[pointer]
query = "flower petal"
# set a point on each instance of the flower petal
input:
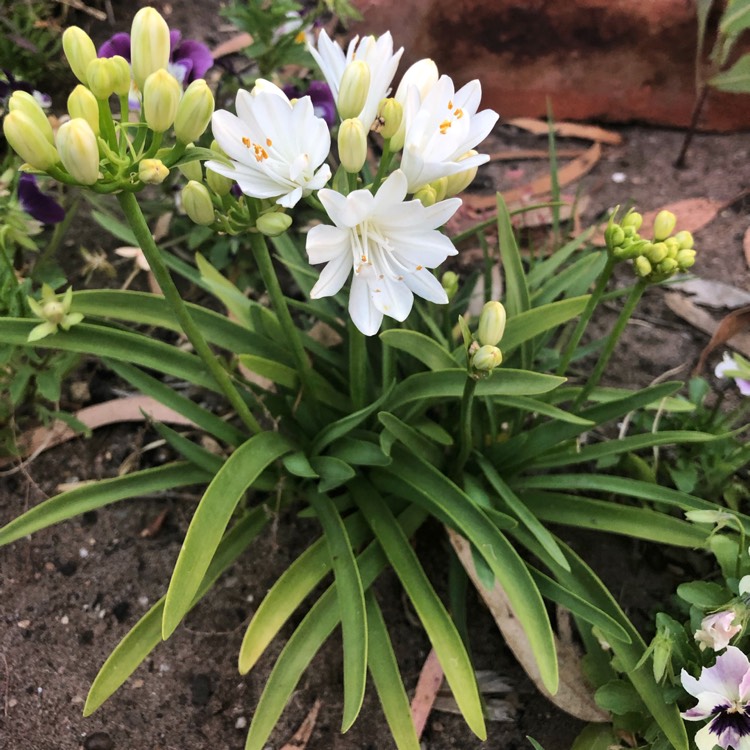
(325, 242)
(332, 277)
(363, 312)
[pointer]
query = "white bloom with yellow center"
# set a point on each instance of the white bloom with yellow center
(390, 244)
(377, 53)
(442, 128)
(276, 147)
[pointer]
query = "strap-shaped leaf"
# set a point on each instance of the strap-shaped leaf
(91, 496)
(415, 441)
(310, 635)
(424, 348)
(385, 674)
(351, 598)
(524, 403)
(358, 452)
(736, 18)
(211, 518)
(333, 472)
(736, 80)
(547, 268)
(527, 325)
(190, 451)
(145, 635)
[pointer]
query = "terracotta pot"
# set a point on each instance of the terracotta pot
(612, 60)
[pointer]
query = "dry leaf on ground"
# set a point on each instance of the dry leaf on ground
(568, 130)
(534, 153)
(428, 685)
(715, 294)
(235, 44)
(746, 246)
(730, 326)
(302, 735)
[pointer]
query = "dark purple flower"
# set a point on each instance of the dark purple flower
(13, 84)
(37, 204)
(188, 60)
(321, 97)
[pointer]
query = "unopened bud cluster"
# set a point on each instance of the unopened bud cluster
(484, 354)
(653, 260)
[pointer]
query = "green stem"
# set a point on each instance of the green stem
(134, 215)
(385, 161)
(388, 361)
(588, 311)
(58, 234)
(357, 367)
(107, 124)
(466, 424)
(289, 329)
(627, 311)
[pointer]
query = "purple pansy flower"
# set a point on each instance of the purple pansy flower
(37, 204)
(723, 693)
(13, 84)
(321, 96)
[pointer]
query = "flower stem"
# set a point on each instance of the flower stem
(357, 367)
(388, 362)
(466, 424)
(385, 161)
(583, 321)
(134, 215)
(291, 333)
(627, 311)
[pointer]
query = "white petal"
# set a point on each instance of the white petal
(363, 313)
(390, 194)
(424, 284)
(332, 277)
(391, 297)
(229, 131)
(325, 242)
(291, 199)
(429, 249)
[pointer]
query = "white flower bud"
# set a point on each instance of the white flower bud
(197, 203)
(149, 44)
(353, 89)
(664, 225)
(491, 323)
(82, 103)
(352, 141)
(79, 50)
(22, 101)
(161, 97)
(79, 150)
(28, 141)
(194, 112)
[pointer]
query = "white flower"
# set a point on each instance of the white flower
(440, 129)
(390, 243)
(275, 146)
(723, 693)
(717, 630)
(734, 367)
(377, 53)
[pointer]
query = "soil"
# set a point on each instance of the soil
(70, 593)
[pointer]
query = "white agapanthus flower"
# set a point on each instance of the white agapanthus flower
(390, 244)
(277, 148)
(377, 53)
(442, 127)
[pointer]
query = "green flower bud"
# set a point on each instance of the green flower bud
(22, 101)
(82, 103)
(457, 183)
(426, 195)
(194, 112)
(352, 144)
(685, 239)
(685, 258)
(390, 115)
(667, 267)
(486, 358)
(196, 201)
(191, 169)
(79, 50)
(218, 183)
(79, 150)
(100, 78)
(353, 89)
(149, 45)
(161, 97)
(120, 72)
(28, 141)
(673, 247)
(632, 219)
(152, 171)
(630, 232)
(664, 225)
(656, 253)
(642, 266)
(441, 188)
(614, 236)
(491, 323)
(449, 282)
(273, 223)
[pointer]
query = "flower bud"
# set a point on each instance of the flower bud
(673, 247)
(614, 235)
(120, 71)
(28, 141)
(423, 74)
(79, 50)
(441, 188)
(685, 258)
(353, 89)
(459, 181)
(194, 112)
(426, 195)
(273, 223)
(685, 239)
(664, 225)
(491, 323)
(100, 78)
(149, 45)
(388, 120)
(161, 97)
(352, 144)
(632, 219)
(718, 629)
(22, 101)
(449, 282)
(667, 267)
(642, 266)
(486, 358)
(79, 150)
(82, 103)
(218, 183)
(656, 253)
(191, 169)
(197, 203)
(152, 171)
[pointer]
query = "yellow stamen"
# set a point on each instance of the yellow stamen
(247, 142)
(419, 268)
(459, 113)
(269, 142)
(450, 105)
(444, 125)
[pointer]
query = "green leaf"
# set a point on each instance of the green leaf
(736, 18)
(116, 228)
(351, 598)
(422, 347)
(276, 372)
(298, 465)
(333, 472)
(443, 635)
(97, 494)
(413, 440)
(145, 635)
(547, 268)
(527, 325)
(595, 737)
(704, 594)
(224, 290)
(190, 451)
(619, 697)
(211, 517)
(736, 80)
(358, 452)
(385, 674)
(523, 403)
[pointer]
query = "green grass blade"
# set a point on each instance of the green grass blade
(414, 440)
(547, 268)
(145, 635)
(190, 451)
(424, 348)
(440, 629)
(525, 326)
(387, 678)
(211, 518)
(523, 403)
(310, 635)
(351, 598)
(97, 494)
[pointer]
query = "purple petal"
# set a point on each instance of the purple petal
(322, 98)
(37, 204)
(743, 385)
(197, 54)
(174, 41)
(119, 44)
